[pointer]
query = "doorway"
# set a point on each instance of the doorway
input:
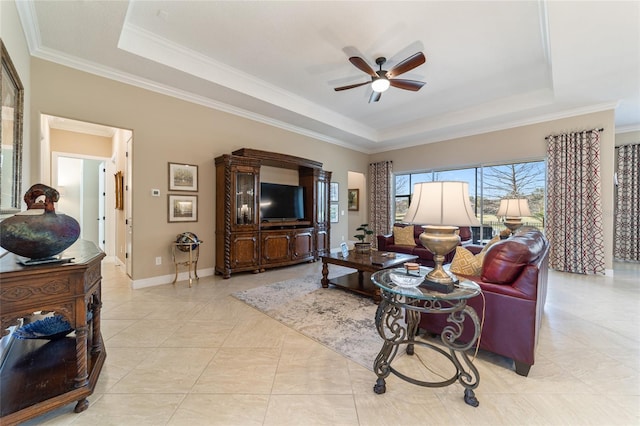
(80, 160)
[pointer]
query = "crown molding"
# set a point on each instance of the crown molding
(627, 129)
(143, 43)
(479, 130)
(30, 26)
(126, 78)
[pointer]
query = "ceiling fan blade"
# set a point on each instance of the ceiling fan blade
(412, 85)
(375, 96)
(362, 65)
(407, 65)
(351, 86)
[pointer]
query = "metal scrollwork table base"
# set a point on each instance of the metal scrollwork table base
(397, 320)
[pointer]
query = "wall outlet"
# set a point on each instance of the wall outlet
(158, 260)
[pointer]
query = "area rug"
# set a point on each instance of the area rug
(338, 319)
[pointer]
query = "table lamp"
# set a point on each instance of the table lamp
(513, 209)
(440, 207)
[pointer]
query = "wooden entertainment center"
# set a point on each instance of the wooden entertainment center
(243, 241)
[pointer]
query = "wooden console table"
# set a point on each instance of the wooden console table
(40, 375)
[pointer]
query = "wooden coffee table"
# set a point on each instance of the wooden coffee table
(365, 264)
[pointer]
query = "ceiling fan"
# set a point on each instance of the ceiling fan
(382, 79)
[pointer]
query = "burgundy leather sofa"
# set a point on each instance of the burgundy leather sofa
(387, 243)
(514, 283)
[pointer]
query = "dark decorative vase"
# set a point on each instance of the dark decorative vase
(39, 232)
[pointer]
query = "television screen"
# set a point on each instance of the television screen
(281, 202)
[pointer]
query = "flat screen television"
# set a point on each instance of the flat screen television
(281, 202)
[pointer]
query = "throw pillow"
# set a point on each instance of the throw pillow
(465, 263)
(486, 247)
(403, 236)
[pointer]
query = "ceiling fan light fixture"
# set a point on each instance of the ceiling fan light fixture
(380, 84)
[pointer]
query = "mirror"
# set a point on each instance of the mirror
(12, 95)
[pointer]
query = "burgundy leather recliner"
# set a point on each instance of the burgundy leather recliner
(514, 283)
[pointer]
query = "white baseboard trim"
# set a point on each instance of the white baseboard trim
(168, 279)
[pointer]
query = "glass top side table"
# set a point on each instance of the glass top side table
(397, 319)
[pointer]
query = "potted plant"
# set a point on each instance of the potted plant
(363, 246)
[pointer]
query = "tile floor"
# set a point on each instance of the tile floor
(197, 356)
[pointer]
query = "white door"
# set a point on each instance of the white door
(128, 209)
(102, 194)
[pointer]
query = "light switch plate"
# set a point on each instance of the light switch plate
(155, 192)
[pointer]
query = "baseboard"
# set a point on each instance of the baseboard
(168, 279)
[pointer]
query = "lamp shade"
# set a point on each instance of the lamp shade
(514, 207)
(441, 203)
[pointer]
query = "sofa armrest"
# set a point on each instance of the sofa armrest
(527, 282)
(384, 241)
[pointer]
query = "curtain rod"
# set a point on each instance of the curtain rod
(601, 129)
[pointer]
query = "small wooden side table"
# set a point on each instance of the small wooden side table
(193, 250)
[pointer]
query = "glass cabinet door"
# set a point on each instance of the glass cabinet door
(321, 205)
(245, 198)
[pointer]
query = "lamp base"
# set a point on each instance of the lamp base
(439, 240)
(513, 223)
(438, 286)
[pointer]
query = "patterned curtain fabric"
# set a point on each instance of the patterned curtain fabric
(380, 192)
(574, 207)
(627, 215)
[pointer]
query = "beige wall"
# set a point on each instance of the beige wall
(627, 138)
(521, 143)
(80, 143)
(209, 133)
(162, 127)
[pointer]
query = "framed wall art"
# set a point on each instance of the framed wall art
(353, 200)
(183, 177)
(119, 190)
(333, 213)
(183, 208)
(333, 192)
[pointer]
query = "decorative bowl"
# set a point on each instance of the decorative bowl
(404, 279)
(52, 327)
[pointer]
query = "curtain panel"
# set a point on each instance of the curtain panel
(380, 198)
(574, 207)
(627, 212)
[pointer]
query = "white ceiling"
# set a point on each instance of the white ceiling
(490, 65)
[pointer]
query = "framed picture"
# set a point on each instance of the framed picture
(119, 190)
(333, 213)
(183, 177)
(333, 192)
(183, 208)
(353, 200)
(344, 249)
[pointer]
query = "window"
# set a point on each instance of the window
(487, 186)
